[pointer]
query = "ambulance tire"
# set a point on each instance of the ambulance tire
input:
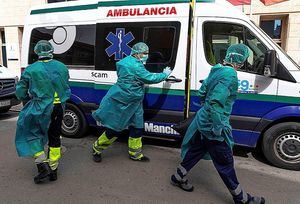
(74, 122)
(281, 145)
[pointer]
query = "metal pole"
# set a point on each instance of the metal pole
(251, 9)
(188, 60)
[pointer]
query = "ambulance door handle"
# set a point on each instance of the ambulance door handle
(173, 79)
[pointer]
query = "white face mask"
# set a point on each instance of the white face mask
(144, 58)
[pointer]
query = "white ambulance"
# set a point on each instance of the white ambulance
(91, 36)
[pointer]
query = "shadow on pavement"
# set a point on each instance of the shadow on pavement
(257, 153)
(8, 115)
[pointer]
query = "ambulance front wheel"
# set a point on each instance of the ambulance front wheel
(281, 145)
(74, 124)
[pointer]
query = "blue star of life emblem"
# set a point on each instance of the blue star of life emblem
(119, 43)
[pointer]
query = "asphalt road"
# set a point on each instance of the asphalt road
(120, 180)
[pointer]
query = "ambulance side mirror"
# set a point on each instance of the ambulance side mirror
(270, 66)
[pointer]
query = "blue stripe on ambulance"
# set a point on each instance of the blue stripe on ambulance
(262, 109)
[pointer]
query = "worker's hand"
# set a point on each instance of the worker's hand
(167, 71)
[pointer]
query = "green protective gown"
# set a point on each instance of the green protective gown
(218, 93)
(122, 106)
(38, 84)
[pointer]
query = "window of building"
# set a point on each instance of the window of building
(272, 28)
(114, 42)
(73, 45)
(3, 48)
(219, 36)
(275, 27)
(2, 37)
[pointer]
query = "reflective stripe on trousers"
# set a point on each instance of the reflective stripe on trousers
(56, 99)
(135, 147)
(239, 194)
(40, 157)
(102, 143)
(180, 173)
(54, 156)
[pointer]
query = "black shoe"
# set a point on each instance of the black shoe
(97, 157)
(256, 200)
(142, 159)
(43, 172)
(53, 175)
(184, 184)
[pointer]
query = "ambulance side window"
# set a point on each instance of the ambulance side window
(255, 62)
(219, 36)
(160, 40)
(73, 45)
(114, 42)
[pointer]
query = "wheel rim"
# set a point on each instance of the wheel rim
(287, 147)
(70, 123)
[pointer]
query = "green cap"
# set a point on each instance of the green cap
(237, 54)
(44, 49)
(139, 48)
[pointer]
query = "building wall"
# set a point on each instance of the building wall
(288, 9)
(12, 17)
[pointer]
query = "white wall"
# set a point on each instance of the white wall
(12, 17)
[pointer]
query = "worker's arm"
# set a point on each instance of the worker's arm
(202, 91)
(217, 102)
(148, 77)
(22, 87)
